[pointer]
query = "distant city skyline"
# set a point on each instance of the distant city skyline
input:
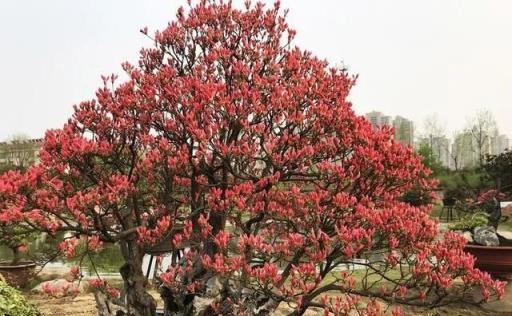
(413, 58)
(404, 128)
(462, 150)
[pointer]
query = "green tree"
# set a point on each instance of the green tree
(18, 153)
(430, 160)
(499, 168)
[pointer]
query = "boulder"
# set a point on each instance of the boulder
(59, 287)
(108, 307)
(505, 234)
(213, 286)
(202, 305)
(468, 236)
(486, 236)
(505, 238)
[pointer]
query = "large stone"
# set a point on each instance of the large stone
(59, 287)
(468, 236)
(203, 306)
(108, 307)
(213, 286)
(505, 234)
(486, 236)
(505, 238)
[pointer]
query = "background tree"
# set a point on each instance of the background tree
(499, 168)
(481, 128)
(432, 126)
(420, 195)
(429, 159)
(433, 141)
(18, 152)
(243, 151)
(458, 147)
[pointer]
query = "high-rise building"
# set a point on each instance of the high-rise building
(499, 144)
(378, 119)
(440, 148)
(404, 130)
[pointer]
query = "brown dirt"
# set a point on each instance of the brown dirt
(84, 305)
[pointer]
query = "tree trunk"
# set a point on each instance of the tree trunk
(298, 312)
(134, 300)
(138, 301)
(15, 255)
(107, 307)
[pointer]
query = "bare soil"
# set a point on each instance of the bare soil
(84, 305)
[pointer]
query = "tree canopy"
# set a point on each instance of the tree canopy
(242, 150)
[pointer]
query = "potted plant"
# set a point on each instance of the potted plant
(493, 252)
(19, 269)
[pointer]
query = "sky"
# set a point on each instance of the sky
(413, 57)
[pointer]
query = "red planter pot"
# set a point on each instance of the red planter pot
(17, 275)
(497, 261)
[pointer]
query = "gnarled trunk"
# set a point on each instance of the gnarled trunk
(137, 299)
(15, 255)
(134, 300)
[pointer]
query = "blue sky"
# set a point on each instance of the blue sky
(413, 57)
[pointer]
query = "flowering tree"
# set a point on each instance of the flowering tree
(242, 150)
(499, 169)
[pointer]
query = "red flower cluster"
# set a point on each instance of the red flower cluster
(103, 286)
(489, 194)
(243, 150)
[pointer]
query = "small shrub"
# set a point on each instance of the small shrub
(470, 221)
(12, 303)
(417, 197)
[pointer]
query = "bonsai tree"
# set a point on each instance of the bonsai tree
(499, 169)
(483, 222)
(15, 238)
(243, 151)
(489, 201)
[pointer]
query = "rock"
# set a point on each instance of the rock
(505, 238)
(468, 236)
(505, 234)
(202, 305)
(108, 307)
(59, 287)
(443, 227)
(486, 236)
(213, 286)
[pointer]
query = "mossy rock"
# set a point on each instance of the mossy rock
(13, 303)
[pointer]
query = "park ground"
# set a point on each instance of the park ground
(84, 304)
